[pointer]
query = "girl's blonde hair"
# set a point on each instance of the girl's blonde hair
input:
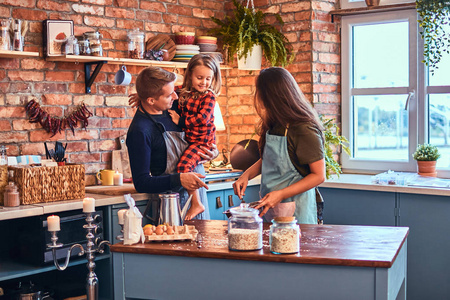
(207, 61)
(279, 101)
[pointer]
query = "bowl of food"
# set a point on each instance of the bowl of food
(184, 38)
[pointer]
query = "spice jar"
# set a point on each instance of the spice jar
(5, 39)
(244, 229)
(72, 46)
(136, 44)
(96, 50)
(84, 47)
(11, 196)
(284, 235)
(95, 42)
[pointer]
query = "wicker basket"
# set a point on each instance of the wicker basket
(49, 184)
(3, 181)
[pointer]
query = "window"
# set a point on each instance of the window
(390, 101)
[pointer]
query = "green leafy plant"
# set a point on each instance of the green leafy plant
(332, 137)
(247, 28)
(434, 17)
(426, 152)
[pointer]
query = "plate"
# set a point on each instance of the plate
(155, 42)
(187, 47)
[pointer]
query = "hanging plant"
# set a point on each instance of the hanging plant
(247, 28)
(434, 17)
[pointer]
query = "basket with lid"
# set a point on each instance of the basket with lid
(244, 229)
(284, 235)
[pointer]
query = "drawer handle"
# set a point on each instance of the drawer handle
(218, 202)
(230, 201)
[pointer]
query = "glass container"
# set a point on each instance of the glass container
(136, 44)
(244, 229)
(96, 50)
(5, 38)
(284, 235)
(94, 38)
(72, 46)
(85, 47)
(18, 40)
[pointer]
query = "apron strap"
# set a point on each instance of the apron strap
(285, 132)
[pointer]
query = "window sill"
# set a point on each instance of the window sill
(371, 9)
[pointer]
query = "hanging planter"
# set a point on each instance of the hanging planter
(246, 29)
(251, 61)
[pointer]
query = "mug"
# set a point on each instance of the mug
(106, 177)
(122, 77)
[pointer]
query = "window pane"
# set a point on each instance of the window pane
(439, 126)
(380, 55)
(381, 131)
(441, 75)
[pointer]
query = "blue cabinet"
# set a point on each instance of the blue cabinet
(221, 200)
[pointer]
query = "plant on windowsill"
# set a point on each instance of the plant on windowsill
(247, 30)
(332, 138)
(434, 17)
(426, 156)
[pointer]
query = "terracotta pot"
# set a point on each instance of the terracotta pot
(427, 168)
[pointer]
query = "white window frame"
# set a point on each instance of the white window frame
(350, 164)
(361, 3)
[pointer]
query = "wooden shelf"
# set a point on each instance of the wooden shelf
(18, 54)
(122, 61)
(371, 9)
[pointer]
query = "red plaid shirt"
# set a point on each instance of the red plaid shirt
(197, 116)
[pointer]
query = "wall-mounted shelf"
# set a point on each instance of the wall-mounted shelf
(18, 54)
(99, 61)
(371, 9)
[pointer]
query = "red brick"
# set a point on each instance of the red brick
(28, 14)
(25, 76)
(112, 89)
(190, 21)
(41, 135)
(330, 78)
(82, 134)
(52, 5)
(104, 145)
(153, 6)
(36, 64)
(299, 26)
(5, 125)
(179, 10)
(59, 76)
(202, 13)
(322, 6)
(329, 98)
(85, 157)
(89, 9)
(89, 100)
(98, 2)
(326, 47)
(295, 7)
(327, 68)
(169, 19)
(98, 21)
(129, 24)
(121, 123)
(160, 28)
(328, 37)
(8, 63)
(112, 134)
(12, 112)
(110, 112)
(56, 99)
(128, 3)
(32, 149)
(329, 58)
(330, 109)
(24, 124)
(95, 122)
(323, 88)
(43, 88)
(77, 146)
(240, 110)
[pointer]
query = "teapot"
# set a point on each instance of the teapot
(166, 209)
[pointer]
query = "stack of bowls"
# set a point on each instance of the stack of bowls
(184, 53)
(207, 43)
(184, 38)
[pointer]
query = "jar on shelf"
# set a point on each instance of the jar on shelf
(94, 38)
(136, 44)
(5, 38)
(18, 39)
(72, 46)
(11, 196)
(96, 50)
(85, 47)
(244, 229)
(284, 235)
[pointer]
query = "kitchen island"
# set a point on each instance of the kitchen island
(335, 262)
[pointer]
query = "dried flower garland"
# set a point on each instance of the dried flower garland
(54, 124)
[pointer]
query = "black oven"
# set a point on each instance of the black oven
(34, 236)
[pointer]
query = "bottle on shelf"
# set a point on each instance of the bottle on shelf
(5, 38)
(18, 40)
(72, 46)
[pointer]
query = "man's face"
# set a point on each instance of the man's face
(202, 77)
(165, 100)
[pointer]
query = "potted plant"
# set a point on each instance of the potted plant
(426, 156)
(434, 17)
(246, 32)
(332, 138)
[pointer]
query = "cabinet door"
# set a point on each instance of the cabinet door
(428, 245)
(216, 204)
(355, 207)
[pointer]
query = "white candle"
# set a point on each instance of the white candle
(53, 223)
(118, 178)
(121, 214)
(88, 205)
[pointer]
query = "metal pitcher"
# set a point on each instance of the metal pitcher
(166, 209)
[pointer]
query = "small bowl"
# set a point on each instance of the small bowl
(203, 41)
(207, 39)
(207, 47)
(185, 33)
(184, 39)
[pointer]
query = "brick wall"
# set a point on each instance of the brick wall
(59, 87)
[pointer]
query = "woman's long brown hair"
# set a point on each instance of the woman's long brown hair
(279, 101)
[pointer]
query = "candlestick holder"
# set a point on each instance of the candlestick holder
(120, 236)
(92, 246)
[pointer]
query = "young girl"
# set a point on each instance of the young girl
(197, 98)
(291, 144)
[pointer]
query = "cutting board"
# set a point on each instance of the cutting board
(126, 188)
(155, 42)
(120, 160)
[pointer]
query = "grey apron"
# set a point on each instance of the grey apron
(278, 172)
(175, 145)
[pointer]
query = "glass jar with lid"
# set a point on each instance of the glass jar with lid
(5, 38)
(284, 235)
(96, 50)
(94, 38)
(72, 46)
(84, 47)
(244, 229)
(136, 44)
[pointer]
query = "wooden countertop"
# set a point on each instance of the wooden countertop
(361, 246)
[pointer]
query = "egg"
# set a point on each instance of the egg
(148, 230)
(159, 230)
(169, 230)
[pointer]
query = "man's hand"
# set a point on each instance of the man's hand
(175, 117)
(192, 181)
(134, 100)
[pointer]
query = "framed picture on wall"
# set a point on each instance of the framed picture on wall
(56, 33)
